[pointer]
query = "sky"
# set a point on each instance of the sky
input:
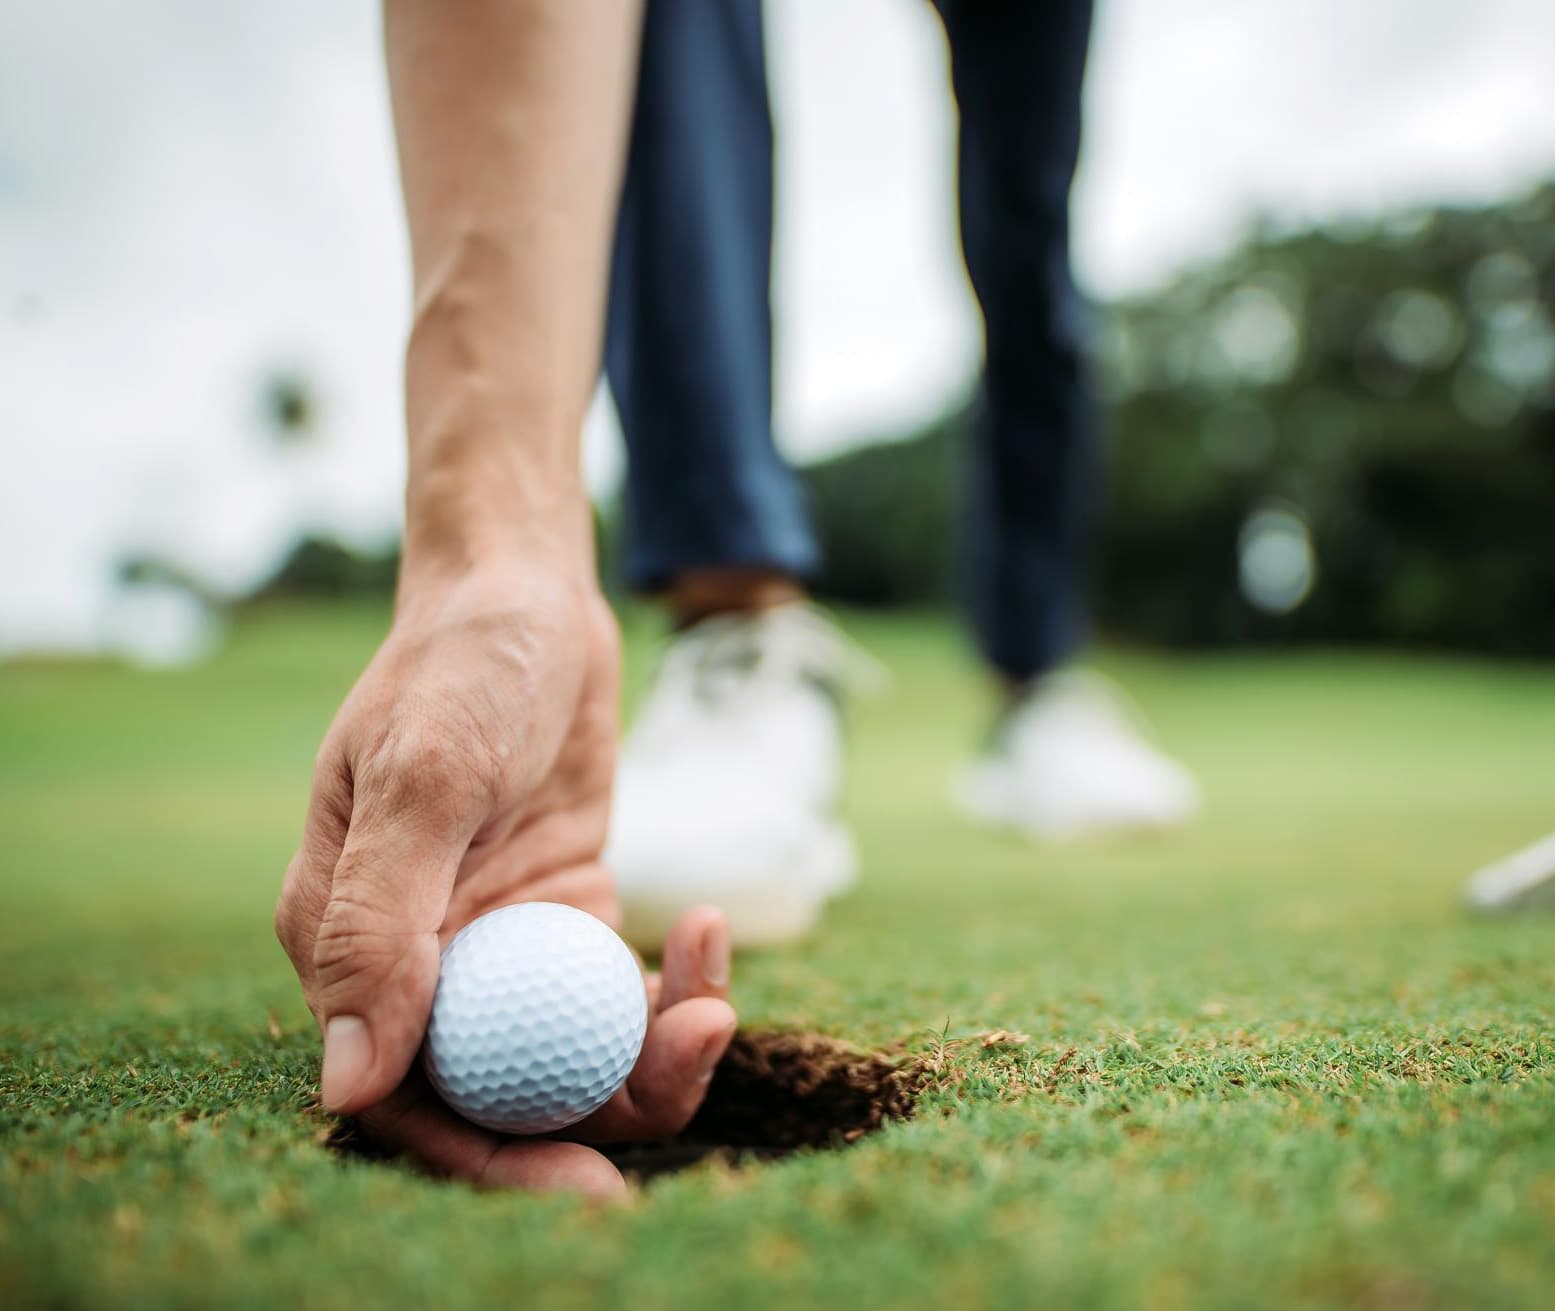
(196, 197)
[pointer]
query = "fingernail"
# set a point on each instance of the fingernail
(715, 954)
(712, 1053)
(348, 1052)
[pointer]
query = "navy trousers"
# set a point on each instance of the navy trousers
(689, 342)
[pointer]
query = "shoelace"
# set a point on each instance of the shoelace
(731, 655)
(1105, 700)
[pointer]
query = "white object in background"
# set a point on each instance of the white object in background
(1521, 881)
(539, 1017)
(729, 780)
(160, 625)
(1070, 760)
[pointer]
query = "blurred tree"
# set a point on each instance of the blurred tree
(320, 567)
(885, 514)
(1343, 435)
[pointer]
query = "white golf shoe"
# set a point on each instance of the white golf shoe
(1070, 759)
(1522, 881)
(729, 781)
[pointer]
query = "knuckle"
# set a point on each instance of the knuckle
(291, 913)
(285, 924)
(331, 778)
(301, 900)
(353, 942)
(439, 777)
(324, 759)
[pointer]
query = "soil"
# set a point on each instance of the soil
(776, 1092)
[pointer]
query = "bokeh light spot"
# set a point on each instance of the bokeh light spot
(1419, 329)
(1277, 566)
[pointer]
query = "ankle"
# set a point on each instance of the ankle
(702, 593)
(1014, 692)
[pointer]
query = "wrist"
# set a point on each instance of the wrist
(494, 471)
(458, 529)
(460, 512)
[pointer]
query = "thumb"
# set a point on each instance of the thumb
(376, 956)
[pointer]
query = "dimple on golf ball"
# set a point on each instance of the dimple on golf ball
(539, 1017)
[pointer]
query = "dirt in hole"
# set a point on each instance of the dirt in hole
(775, 1092)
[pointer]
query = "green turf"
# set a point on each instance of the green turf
(1270, 1062)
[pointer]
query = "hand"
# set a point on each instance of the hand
(470, 768)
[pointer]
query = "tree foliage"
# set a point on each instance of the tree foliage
(1337, 435)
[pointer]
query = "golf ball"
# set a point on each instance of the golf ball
(539, 1016)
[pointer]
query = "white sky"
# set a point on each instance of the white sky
(192, 195)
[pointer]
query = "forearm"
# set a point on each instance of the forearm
(511, 117)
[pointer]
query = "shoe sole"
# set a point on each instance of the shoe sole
(982, 799)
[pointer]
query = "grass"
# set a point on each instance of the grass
(1269, 1060)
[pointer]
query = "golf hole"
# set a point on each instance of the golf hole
(774, 1093)
(779, 1092)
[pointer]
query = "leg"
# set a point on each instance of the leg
(727, 788)
(1067, 758)
(689, 346)
(1017, 72)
